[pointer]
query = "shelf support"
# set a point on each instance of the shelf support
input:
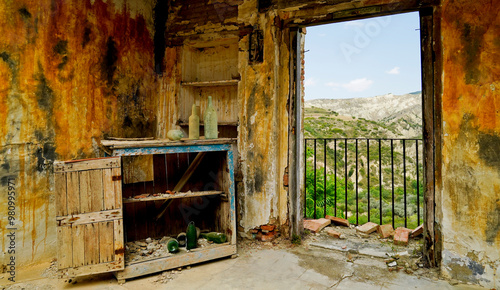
(189, 172)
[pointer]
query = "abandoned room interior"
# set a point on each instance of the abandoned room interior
(83, 80)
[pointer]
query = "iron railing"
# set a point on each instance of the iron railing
(364, 179)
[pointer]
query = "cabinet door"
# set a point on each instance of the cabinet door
(89, 216)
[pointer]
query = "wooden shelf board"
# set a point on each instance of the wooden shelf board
(173, 196)
(179, 260)
(211, 83)
(186, 123)
(112, 144)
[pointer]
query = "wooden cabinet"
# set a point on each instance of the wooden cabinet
(99, 211)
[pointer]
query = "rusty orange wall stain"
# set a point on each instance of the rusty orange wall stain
(71, 73)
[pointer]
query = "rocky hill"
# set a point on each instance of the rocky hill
(386, 116)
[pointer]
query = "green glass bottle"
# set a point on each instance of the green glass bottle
(173, 245)
(191, 236)
(210, 121)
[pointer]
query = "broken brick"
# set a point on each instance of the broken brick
(418, 231)
(385, 231)
(368, 228)
(333, 233)
(268, 237)
(401, 236)
(269, 228)
(338, 221)
(254, 231)
(316, 225)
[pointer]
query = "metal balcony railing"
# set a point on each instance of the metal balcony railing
(362, 179)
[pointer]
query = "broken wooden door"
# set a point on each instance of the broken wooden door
(89, 216)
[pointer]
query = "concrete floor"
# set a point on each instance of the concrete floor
(264, 267)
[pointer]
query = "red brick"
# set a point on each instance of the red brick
(418, 231)
(385, 231)
(333, 233)
(316, 225)
(401, 236)
(338, 221)
(368, 228)
(269, 237)
(269, 228)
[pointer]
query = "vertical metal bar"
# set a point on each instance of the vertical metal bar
(357, 208)
(392, 173)
(315, 178)
(324, 177)
(404, 178)
(418, 185)
(345, 175)
(305, 177)
(335, 171)
(380, 177)
(368, 173)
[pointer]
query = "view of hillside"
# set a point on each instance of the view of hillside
(338, 123)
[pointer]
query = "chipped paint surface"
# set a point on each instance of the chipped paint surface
(71, 72)
(471, 143)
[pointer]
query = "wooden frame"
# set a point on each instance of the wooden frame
(431, 103)
(228, 209)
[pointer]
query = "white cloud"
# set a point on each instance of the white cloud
(357, 85)
(394, 71)
(356, 23)
(310, 82)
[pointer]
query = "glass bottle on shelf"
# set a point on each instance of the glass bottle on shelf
(194, 123)
(210, 121)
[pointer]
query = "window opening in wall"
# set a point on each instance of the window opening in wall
(363, 121)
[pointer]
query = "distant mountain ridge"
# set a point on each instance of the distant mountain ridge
(375, 108)
(385, 116)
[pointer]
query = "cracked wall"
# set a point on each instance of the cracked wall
(71, 73)
(471, 142)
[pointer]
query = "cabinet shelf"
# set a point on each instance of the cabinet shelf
(211, 83)
(165, 196)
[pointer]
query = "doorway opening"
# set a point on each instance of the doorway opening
(366, 164)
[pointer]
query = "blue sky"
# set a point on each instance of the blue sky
(363, 58)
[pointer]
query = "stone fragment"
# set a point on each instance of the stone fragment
(333, 233)
(316, 225)
(141, 244)
(392, 264)
(338, 221)
(401, 236)
(385, 231)
(149, 240)
(367, 228)
(418, 231)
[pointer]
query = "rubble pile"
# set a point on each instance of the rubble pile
(265, 233)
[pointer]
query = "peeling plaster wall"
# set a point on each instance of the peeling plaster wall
(471, 142)
(71, 72)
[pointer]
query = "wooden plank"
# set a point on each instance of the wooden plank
(211, 83)
(189, 172)
(174, 196)
(92, 269)
(85, 193)
(87, 164)
(178, 260)
(60, 191)
(117, 183)
(91, 243)
(65, 247)
(78, 245)
(106, 243)
(73, 192)
(130, 139)
(96, 190)
(108, 189)
(92, 217)
(119, 246)
(165, 142)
